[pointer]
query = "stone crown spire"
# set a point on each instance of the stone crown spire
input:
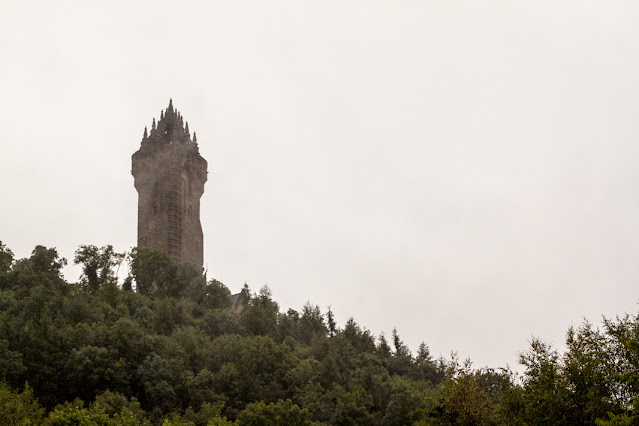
(169, 129)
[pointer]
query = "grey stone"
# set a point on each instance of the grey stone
(169, 176)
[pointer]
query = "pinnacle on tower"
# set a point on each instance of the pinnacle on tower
(145, 133)
(194, 138)
(171, 127)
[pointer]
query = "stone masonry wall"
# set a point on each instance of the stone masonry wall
(169, 177)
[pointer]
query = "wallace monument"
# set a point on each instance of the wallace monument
(169, 176)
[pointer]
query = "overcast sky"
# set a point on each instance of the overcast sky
(464, 171)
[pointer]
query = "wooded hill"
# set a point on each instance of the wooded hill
(175, 352)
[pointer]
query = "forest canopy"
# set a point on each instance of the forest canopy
(166, 346)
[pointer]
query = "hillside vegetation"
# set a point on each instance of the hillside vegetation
(165, 346)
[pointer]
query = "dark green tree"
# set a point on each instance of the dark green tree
(460, 399)
(19, 408)
(98, 266)
(278, 413)
(545, 396)
(6, 262)
(260, 316)
(157, 275)
(42, 269)
(312, 326)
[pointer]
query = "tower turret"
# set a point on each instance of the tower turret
(169, 176)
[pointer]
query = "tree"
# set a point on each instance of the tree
(406, 402)
(208, 415)
(11, 366)
(6, 259)
(402, 360)
(278, 413)
(352, 407)
(74, 413)
(312, 324)
(260, 316)
(360, 339)
(6, 262)
(19, 408)
(151, 269)
(330, 321)
(42, 269)
(545, 393)
(216, 295)
(288, 325)
(98, 266)
(116, 405)
(90, 369)
(165, 379)
(623, 344)
(460, 399)
(157, 275)
(383, 350)
(425, 366)
(589, 369)
(46, 261)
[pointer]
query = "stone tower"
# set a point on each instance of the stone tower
(169, 176)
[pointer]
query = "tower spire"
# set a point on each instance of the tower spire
(171, 105)
(145, 133)
(194, 138)
(186, 129)
(153, 125)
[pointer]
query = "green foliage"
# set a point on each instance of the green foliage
(215, 295)
(624, 339)
(6, 262)
(278, 413)
(43, 269)
(405, 404)
(312, 326)
(114, 403)
(19, 408)
(209, 415)
(591, 383)
(91, 369)
(464, 397)
(426, 368)
(260, 316)
(42, 260)
(402, 361)
(352, 407)
(74, 413)
(546, 394)
(171, 349)
(98, 265)
(157, 275)
(11, 366)
(588, 369)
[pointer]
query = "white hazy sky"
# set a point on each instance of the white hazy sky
(465, 171)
